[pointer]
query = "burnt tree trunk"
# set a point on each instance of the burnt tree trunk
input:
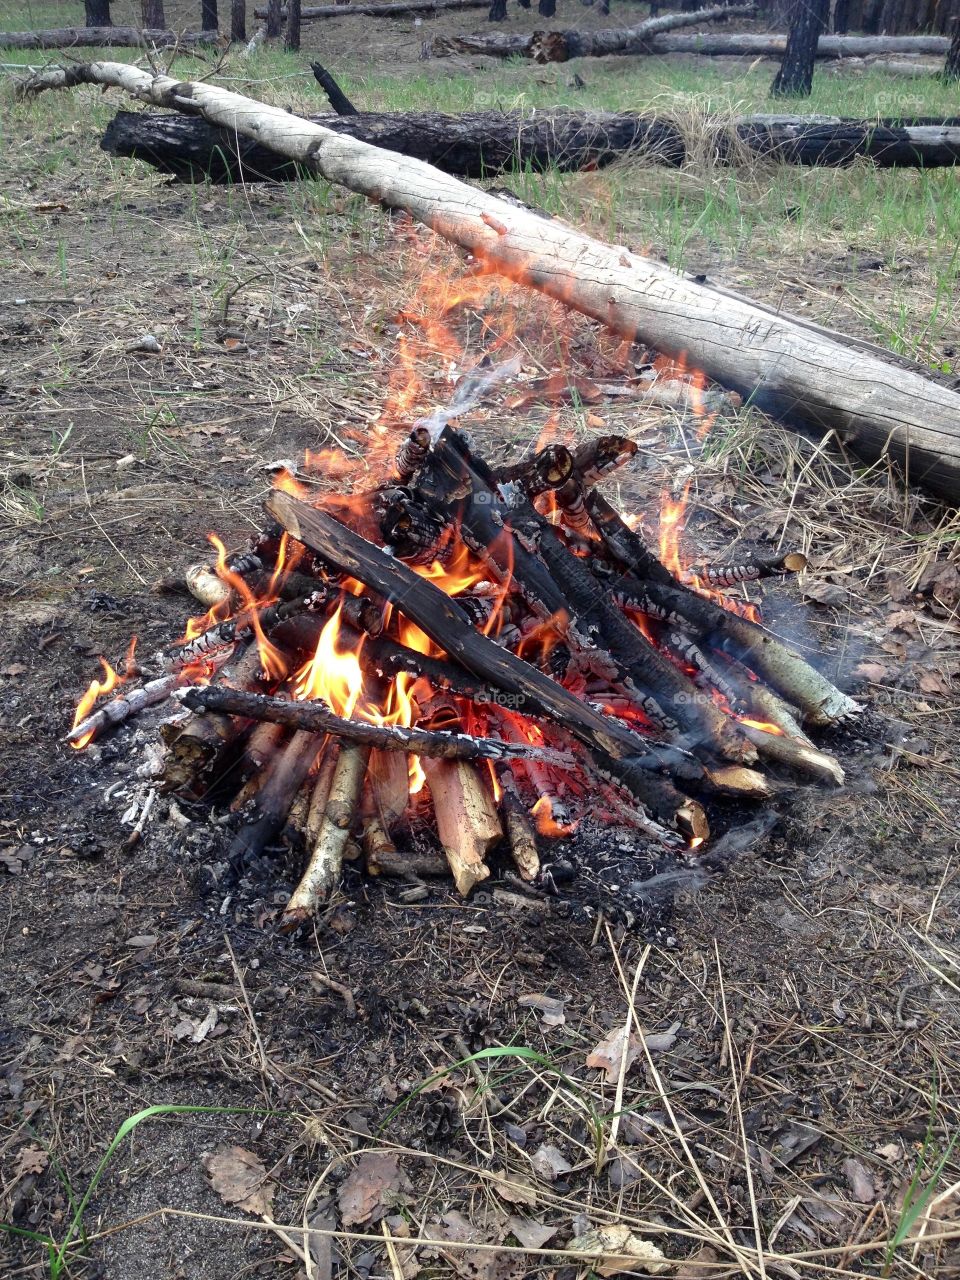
(841, 17)
(292, 41)
(335, 95)
(209, 17)
(273, 19)
(547, 8)
(152, 15)
(795, 77)
(951, 69)
(498, 11)
(238, 21)
(487, 143)
(96, 13)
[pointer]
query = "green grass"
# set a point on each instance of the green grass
(57, 1251)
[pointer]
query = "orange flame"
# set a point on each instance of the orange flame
(95, 690)
(542, 813)
(332, 674)
(272, 660)
(763, 726)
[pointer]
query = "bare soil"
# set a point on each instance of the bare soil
(809, 1063)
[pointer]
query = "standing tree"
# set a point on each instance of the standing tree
(547, 8)
(273, 19)
(795, 77)
(951, 69)
(96, 13)
(152, 16)
(238, 20)
(209, 19)
(293, 25)
(498, 11)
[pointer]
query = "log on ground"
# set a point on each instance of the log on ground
(484, 143)
(102, 37)
(401, 9)
(544, 45)
(889, 410)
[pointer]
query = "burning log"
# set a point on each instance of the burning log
(466, 817)
(322, 874)
(881, 405)
(286, 773)
(729, 575)
(313, 717)
(799, 756)
(196, 747)
(618, 749)
(204, 585)
(129, 703)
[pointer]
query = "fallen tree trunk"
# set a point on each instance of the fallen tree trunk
(742, 45)
(561, 46)
(486, 143)
(103, 37)
(379, 10)
(887, 409)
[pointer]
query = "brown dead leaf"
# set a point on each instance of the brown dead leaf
(825, 593)
(551, 1009)
(860, 1180)
(514, 1188)
(549, 1163)
(615, 1248)
(239, 1178)
(530, 1233)
(609, 1052)
(933, 681)
(700, 1266)
(369, 1190)
(30, 1160)
(875, 672)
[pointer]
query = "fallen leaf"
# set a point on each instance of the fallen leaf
(239, 1178)
(934, 681)
(825, 593)
(551, 1009)
(875, 672)
(204, 1028)
(700, 1265)
(530, 1233)
(30, 1160)
(142, 940)
(14, 669)
(367, 1189)
(609, 1052)
(514, 1188)
(549, 1163)
(860, 1180)
(615, 1249)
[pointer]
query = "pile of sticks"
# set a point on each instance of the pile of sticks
(509, 629)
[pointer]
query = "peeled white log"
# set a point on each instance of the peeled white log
(883, 406)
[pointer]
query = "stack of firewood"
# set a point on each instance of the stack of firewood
(495, 653)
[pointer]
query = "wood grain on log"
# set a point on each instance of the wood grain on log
(884, 409)
(479, 144)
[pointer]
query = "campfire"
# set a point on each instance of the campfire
(490, 655)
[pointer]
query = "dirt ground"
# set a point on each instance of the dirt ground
(801, 1093)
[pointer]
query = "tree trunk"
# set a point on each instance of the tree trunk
(795, 77)
(951, 69)
(841, 17)
(885, 408)
(486, 143)
(151, 14)
(209, 18)
(273, 19)
(96, 13)
(293, 26)
(238, 21)
(547, 8)
(335, 95)
(498, 11)
(380, 8)
(550, 45)
(102, 37)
